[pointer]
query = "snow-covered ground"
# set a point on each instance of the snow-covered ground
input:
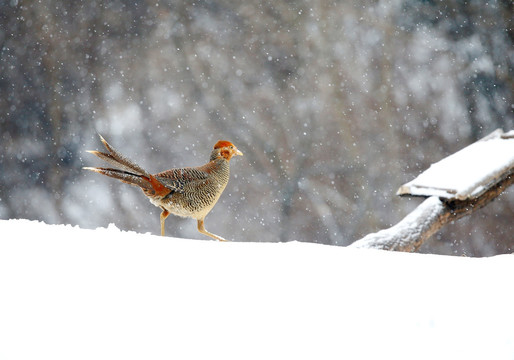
(69, 293)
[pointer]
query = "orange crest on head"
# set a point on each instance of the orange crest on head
(223, 143)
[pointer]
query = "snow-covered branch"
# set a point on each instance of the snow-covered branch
(456, 187)
(411, 232)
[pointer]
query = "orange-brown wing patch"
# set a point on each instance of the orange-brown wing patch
(158, 187)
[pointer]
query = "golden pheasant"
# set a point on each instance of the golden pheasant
(187, 192)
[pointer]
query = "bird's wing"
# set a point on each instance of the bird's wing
(176, 179)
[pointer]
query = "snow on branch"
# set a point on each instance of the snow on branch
(455, 186)
(467, 173)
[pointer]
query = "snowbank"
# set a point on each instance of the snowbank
(69, 293)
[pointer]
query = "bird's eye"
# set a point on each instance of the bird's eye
(231, 147)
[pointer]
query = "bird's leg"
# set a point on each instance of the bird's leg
(164, 215)
(201, 228)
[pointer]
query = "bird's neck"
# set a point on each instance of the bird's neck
(217, 166)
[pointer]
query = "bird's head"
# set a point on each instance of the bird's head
(225, 149)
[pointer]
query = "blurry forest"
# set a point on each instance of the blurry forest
(335, 104)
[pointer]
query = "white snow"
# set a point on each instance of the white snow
(408, 230)
(69, 293)
(467, 172)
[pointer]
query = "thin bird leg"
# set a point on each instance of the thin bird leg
(164, 215)
(201, 228)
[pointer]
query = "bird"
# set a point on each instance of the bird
(186, 192)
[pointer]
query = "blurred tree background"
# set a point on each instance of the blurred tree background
(335, 105)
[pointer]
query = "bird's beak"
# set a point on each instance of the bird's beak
(239, 152)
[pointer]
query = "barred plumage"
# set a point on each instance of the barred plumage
(188, 192)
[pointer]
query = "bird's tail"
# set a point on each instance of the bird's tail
(128, 171)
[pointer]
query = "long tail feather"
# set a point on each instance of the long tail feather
(117, 159)
(111, 160)
(126, 177)
(129, 172)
